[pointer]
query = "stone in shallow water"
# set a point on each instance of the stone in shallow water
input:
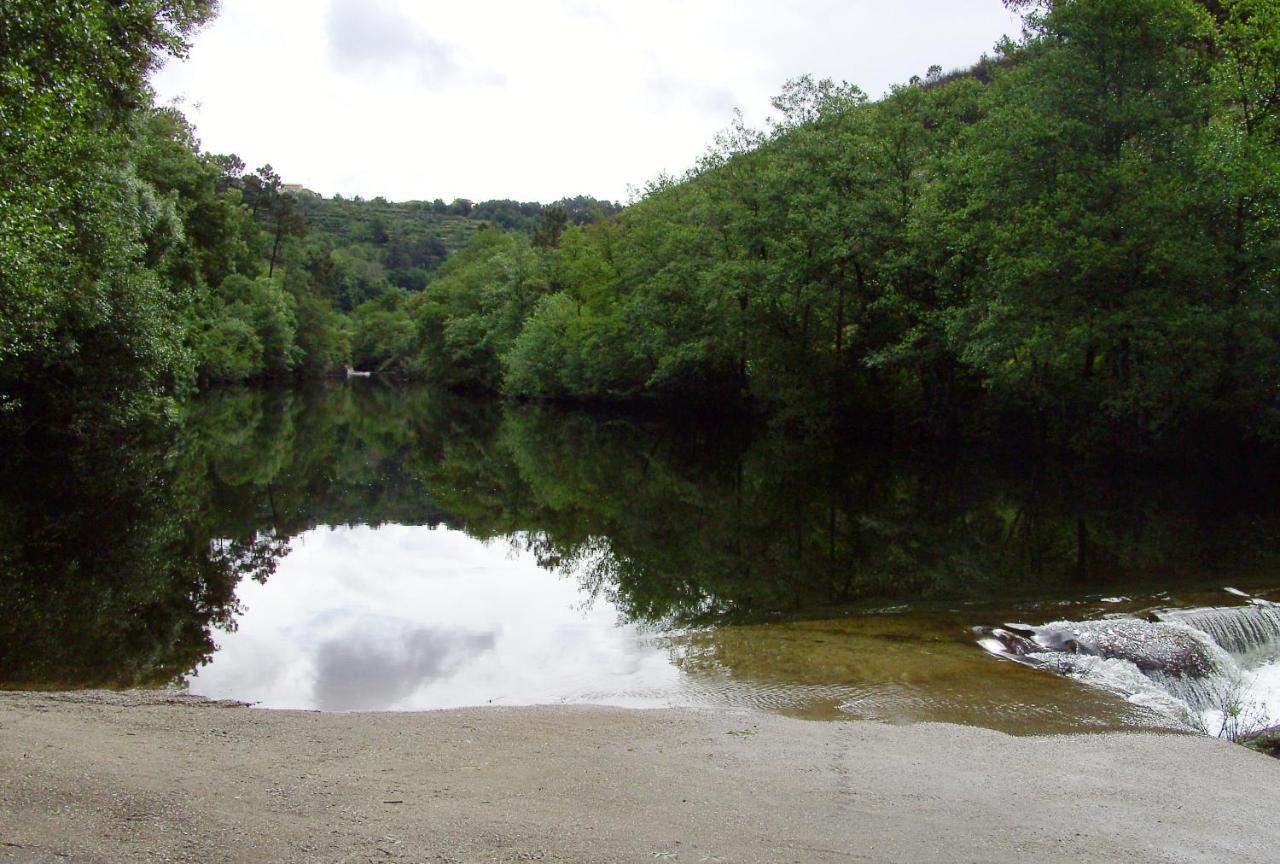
(1170, 649)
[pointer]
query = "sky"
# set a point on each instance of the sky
(532, 99)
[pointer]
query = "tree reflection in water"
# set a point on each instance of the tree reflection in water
(121, 560)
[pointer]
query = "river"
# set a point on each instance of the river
(365, 547)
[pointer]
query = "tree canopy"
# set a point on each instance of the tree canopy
(1079, 234)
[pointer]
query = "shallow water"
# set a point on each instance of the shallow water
(364, 548)
(418, 618)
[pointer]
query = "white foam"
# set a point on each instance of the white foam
(1215, 670)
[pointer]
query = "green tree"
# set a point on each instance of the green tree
(322, 338)
(285, 221)
(86, 328)
(552, 225)
(229, 351)
(385, 337)
(1100, 292)
(471, 314)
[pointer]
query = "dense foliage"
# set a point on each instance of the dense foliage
(1080, 233)
(356, 250)
(134, 266)
(87, 320)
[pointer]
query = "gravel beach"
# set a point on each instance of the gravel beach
(146, 776)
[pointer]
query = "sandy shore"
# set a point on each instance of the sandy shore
(144, 777)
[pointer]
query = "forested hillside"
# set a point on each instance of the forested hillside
(134, 266)
(355, 250)
(1080, 235)
(1081, 232)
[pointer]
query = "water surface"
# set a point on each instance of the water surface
(360, 547)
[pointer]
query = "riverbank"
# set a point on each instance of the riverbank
(96, 777)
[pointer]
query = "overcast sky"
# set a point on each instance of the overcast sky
(532, 99)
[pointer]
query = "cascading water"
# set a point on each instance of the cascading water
(1213, 669)
(1245, 631)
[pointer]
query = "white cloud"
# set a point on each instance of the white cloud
(711, 100)
(366, 34)
(399, 97)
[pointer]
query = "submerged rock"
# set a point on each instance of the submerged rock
(1016, 643)
(1189, 665)
(1169, 649)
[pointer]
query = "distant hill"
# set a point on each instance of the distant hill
(369, 245)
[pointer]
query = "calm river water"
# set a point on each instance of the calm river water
(363, 547)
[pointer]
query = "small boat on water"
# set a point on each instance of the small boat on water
(351, 373)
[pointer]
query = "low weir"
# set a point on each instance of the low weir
(1211, 669)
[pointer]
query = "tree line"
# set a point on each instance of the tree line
(1078, 235)
(135, 267)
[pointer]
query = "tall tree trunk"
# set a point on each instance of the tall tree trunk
(275, 251)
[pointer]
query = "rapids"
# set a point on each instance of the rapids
(1213, 669)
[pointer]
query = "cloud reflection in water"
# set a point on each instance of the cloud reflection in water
(368, 671)
(415, 618)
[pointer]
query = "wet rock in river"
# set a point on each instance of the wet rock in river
(1169, 649)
